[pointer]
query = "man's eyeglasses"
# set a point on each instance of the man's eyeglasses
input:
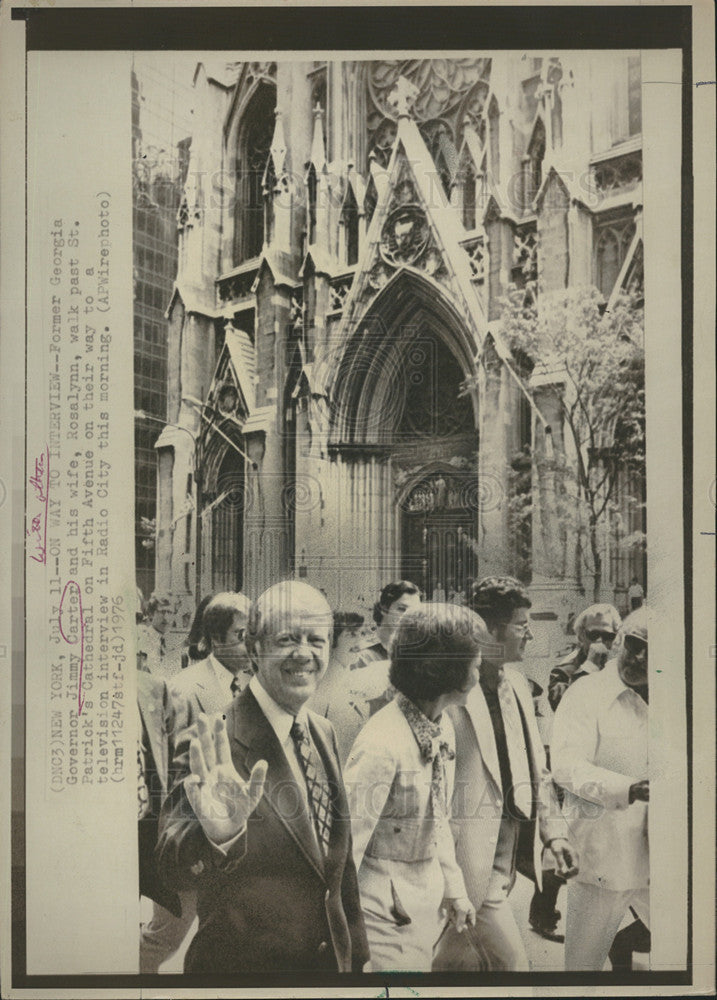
(595, 635)
(634, 645)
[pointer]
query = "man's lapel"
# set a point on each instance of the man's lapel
(211, 697)
(530, 726)
(479, 714)
(252, 738)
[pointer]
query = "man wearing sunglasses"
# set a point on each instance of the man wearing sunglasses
(595, 629)
(599, 751)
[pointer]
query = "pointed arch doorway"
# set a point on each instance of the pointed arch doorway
(406, 429)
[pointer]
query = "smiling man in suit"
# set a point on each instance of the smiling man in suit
(259, 823)
(504, 803)
(210, 684)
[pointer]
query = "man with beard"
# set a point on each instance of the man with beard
(599, 749)
(258, 823)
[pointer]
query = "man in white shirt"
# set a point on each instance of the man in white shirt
(259, 822)
(599, 755)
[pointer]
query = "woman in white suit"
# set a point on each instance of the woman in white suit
(399, 778)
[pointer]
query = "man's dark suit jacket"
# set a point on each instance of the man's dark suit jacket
(156, 711)
(273, 904)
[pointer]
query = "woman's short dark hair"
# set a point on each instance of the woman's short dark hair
(496, 598)
(390, 594)
(433, 649)
(344, 620)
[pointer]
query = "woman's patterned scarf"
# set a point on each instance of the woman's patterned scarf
(434, 748)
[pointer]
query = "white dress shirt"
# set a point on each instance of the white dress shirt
(600, 749)
(223, 676)
(281, 722)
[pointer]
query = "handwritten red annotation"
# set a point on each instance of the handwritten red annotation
(40, 483)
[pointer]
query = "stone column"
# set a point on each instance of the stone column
(554, 589)
(493, 467)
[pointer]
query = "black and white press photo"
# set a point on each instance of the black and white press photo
(360, 499)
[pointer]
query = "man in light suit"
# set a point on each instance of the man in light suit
(504, 803)
(209, 685)
(259, 822)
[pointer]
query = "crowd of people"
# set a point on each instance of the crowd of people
(320, 800)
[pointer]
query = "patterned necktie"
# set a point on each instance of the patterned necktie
(235, 686)
(316, 783)
(522, 788)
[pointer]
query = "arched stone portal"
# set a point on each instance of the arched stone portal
(404, 429)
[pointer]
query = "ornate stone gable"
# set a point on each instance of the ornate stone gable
(231, 393)
(413, 229)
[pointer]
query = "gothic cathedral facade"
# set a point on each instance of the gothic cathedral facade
(346, 234)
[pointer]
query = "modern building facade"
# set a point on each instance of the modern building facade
(341, 406)
(160, 146)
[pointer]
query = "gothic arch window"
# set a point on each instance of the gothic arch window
(552, 99)
(320, 96)
(228, 523)
(613, 238)
(370, 201)
(533, 176)
(469, 198)
(493, 140)
(433, 405)
(634, 95)
(255, 135)
(448, 91)
(438, 137)
(350, 228)
(312, 191)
